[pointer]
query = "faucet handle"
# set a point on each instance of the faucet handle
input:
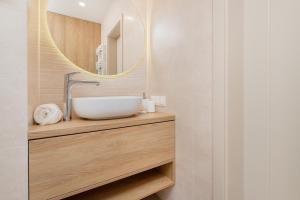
(69, 75)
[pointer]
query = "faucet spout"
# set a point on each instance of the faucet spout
(69, 83)
(73, 82)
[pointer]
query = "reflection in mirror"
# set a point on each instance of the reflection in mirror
(104, 37)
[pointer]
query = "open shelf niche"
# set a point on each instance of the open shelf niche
(134, 187)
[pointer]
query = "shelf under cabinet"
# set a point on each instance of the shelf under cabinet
(133, 188)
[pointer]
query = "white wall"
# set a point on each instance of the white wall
(13, 100)
(261, 136)
(272, 96)
(181, 39)
(133, 29)
(234, 100)
(228, 100)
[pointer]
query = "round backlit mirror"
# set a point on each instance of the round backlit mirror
(105, 37)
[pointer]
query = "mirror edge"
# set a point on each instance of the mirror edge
(115, 76)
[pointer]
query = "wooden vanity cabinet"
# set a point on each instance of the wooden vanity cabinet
(69, 164)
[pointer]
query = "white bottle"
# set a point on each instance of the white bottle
(148, 105)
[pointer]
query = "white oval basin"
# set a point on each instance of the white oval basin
(97, 108)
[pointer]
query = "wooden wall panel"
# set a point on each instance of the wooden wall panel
(47, 76)
(33, 57)
(77, 39)
(54, 66)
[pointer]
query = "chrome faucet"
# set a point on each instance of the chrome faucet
(69, 83)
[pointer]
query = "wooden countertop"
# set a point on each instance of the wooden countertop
(83, 126)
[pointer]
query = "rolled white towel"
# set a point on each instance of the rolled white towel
(47, 114)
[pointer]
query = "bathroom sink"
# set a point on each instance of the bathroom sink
(96, 108)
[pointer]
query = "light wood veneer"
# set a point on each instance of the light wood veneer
(64, 165)
(80, 126)
(132, 188)
(77, 39)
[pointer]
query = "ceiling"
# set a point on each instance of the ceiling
(94, 11)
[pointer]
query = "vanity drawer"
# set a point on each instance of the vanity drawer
(63, 166)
